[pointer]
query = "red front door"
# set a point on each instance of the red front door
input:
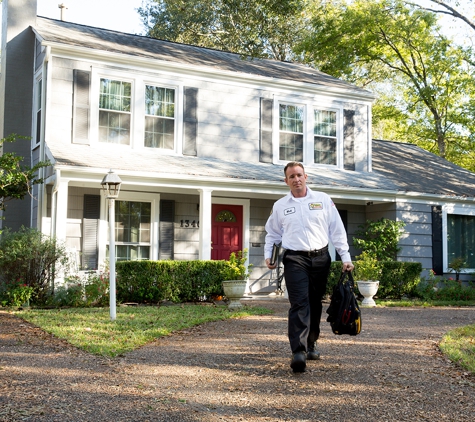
(226, 230)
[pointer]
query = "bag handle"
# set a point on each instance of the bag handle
(350, 281)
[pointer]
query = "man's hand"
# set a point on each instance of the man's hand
(271, 267)
(347, 266)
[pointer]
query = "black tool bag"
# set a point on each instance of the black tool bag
(344, 314)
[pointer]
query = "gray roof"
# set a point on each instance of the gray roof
(397, 167)
(414, 169)
(66, 33)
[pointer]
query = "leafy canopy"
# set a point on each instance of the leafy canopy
(255, 28)
(16, 179)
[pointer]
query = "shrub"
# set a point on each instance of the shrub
(70, 294)
(396, 280)
(177, 281)
(96, 288)
(32, 257)
(433, 288)
(380, 238)
(15, 294)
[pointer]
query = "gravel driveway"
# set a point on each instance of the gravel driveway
(238, 370)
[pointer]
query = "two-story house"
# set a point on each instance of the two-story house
(200, 138)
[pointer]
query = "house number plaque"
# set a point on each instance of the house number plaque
(188, 223)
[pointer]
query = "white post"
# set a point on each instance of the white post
(112, 294)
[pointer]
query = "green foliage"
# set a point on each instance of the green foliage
(397, 278)
(367, 267)
(439, 289)
(456, 265)
(176, 281)
(397, 50)
(70, 294)
(380, 238)
(15, 294)
(32, 257)
(256, 28)
(96, 288)
(16, 179)
(237, 270)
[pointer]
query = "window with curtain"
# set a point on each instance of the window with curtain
(461, 238)
(114, 111)
(291, 127)
(132, 230)
(324, 139)
(159, 117)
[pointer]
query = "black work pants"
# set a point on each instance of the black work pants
(306, 281)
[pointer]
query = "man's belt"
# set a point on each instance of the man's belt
(310, 254)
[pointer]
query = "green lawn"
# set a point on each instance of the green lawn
(92, 330)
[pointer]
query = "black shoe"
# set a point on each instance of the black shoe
(312, 353)
(299, 362)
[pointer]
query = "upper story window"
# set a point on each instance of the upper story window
(309, 134)
(114, 111)
(325, 140)
(159, 117)
(291, 121)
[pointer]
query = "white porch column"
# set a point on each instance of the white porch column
(61, 214)
(205, 224)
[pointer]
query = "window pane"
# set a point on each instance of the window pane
(325, 123)
(324, 150)
(159, 133)
(114, 113)
(159, 119)
(114, 127)
(291, 118)
(291, 132)
(461, 238)
(132, 229)
(291, 147)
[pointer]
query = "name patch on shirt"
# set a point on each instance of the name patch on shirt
(289, 211)
(315, 206)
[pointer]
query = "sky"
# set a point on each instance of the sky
(122, 15)
(118, 15)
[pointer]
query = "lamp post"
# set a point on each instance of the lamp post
(111, 185)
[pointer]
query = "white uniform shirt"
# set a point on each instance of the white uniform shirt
(306, 224)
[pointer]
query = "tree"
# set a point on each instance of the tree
(255, 28)
(16, 180)
(398, 50)
(448, 9)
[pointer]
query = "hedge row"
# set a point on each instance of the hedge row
(176, 281)
(188, 281)
(398, 278)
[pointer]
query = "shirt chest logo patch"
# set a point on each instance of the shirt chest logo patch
(315, 206)
(289, 211)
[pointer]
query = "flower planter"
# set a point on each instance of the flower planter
(368, 289)
(234, 291)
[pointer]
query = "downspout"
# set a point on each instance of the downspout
(42, 191)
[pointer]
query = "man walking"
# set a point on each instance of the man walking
(305, 221)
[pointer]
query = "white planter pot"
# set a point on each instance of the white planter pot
(368, 289)
(234, 291)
